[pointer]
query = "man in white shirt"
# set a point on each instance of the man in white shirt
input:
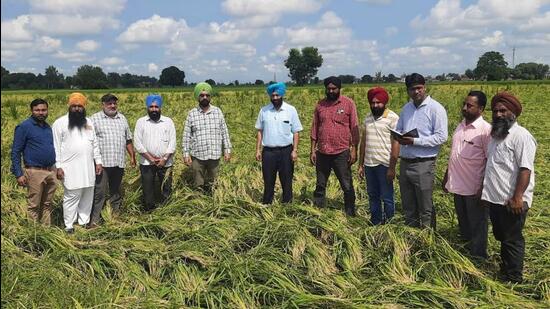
(78, 161)
(155, 141)
(509, 182)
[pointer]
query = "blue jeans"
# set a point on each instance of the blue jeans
(379, 190)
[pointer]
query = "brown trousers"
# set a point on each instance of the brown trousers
(41, 185)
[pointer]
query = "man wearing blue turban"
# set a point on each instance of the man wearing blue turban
(277, 140)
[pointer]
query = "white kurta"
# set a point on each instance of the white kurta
(75, 153)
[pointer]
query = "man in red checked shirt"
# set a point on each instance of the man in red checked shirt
(334, 140)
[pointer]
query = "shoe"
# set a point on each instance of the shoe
(91, 226)
(69, 230)
(350, 212)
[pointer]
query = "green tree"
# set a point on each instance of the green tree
(530, 70)
(367, 79)
(378, 77)
(469, 73)
(211, 82)
(491, 66)
(303, 65)
(114, 80)
(391, 78)
(259, 82)
(90, 77)
(172, 76)
(347, 79)
(53, 79)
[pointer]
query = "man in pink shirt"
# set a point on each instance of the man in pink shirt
(334, 140)
(464, 175)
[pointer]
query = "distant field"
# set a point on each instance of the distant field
(230, 251)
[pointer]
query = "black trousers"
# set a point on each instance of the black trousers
(508, 228)
(156, 184)
(339, 163)
(109, 180)
(277, 160)
(473, 223)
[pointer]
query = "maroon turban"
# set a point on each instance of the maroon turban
(509, 100)
(380, 93)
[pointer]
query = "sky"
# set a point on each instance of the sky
(247, 40)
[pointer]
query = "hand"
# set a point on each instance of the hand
(361, 171)
(227, 157)
(294, 155)
(133, 162)
(515, 205)
(352, 157)
(161, 162)
(390, 175)
(444, 184)
(98, 169)
(187, 160)
(22, 181)
(405, 140)
(60, 174)
(258, 155)
(313, 158)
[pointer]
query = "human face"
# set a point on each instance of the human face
(204, 99)
(110, 108)
(503, 120)
(75, 107)
(471, 109)
(154, 111)
(276, 99)
(332, 92)
(377, 107)
(417, 93)
(40, 112)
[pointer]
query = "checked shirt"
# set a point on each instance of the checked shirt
(112, 134)
(205, 134)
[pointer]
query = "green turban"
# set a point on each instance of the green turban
(200, 87)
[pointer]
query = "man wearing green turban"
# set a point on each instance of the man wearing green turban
(205, 139)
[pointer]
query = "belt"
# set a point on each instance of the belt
(277, 148)
(416, 160)
(44, 168)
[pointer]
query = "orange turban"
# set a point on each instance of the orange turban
(509, 100)
(77, 98)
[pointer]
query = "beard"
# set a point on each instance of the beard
(469, 117)
(155, 116)
(377, 112)
(40, 119)
(204, 103)
(332, 96)
(110, 112)
(501, 127)
(277, 103)
(77, 119)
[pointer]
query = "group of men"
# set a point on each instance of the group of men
(490, 170)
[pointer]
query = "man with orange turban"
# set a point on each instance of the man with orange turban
(78, 161)
(509, 182)
(378, 163)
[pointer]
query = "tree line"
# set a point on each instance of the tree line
(302, 65)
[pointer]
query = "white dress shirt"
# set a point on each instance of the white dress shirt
(157, 138)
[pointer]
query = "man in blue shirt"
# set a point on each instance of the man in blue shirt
(34, 140)
(277, 142)
(418, 153)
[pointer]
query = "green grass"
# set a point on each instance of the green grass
(230, 251)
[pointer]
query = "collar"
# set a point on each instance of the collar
(476, 123)
(272, 107)
(160, 119)
(35, 123)
(107, 116)
(199, 109)
(384, 114)
(424, 103)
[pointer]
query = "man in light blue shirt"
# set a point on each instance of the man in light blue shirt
(277, 140)
(418, 153)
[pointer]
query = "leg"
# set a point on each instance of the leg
(100, 192)
(115, 182)
(477, 222)
(71, 199)
(34, 193)
(165, 180)
(269, 172)
(198, 169)
(386, 192)
(373, 190)
(408, 195)
(50, 185)
(147, 186)
(286, 173)
(322, 169)
(424, 193)
(462, 216)
(342, 169)
(85, 205)
(212, 167)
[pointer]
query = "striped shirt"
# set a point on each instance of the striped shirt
(112, 135)
(157, 138)
(205, 135)
(378, 139)
(505, 157)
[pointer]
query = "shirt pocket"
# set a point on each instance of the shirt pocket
(341, 118)
(472, 150)
(504, 155)
(285, 127)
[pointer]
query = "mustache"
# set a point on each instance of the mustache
(77, 119)
(501, 126)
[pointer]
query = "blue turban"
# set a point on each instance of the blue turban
(153, 98)
(280, 88)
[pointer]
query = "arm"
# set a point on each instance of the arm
(516, 202)
(130, 145)
(362, 146)
(296, 128)
(186, 141)
(16, 150)
(138, 144)
(57, 132)
(97, 152)
(354, 127)
(171, 149)
(259, 145)
(440, 134)
(444, 181)
(225, 139)
(295, 141)
(313, 137)
(394, 155)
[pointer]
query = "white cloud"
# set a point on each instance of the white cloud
(152, 68)
(59, 24)
(494, 40)
(47, 44)
(111, 61)
(153, 30)
(541, 23)
(100, 7)
(391, 31)
(17, 29)
(87, 45)
(375, 1)
(270, 7)
(72, 56)
(437, 41)
(422, 51)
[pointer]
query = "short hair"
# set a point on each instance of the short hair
(481, 97)
(108, 97)
(38, 101)
(333, 80)
(414, 79)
